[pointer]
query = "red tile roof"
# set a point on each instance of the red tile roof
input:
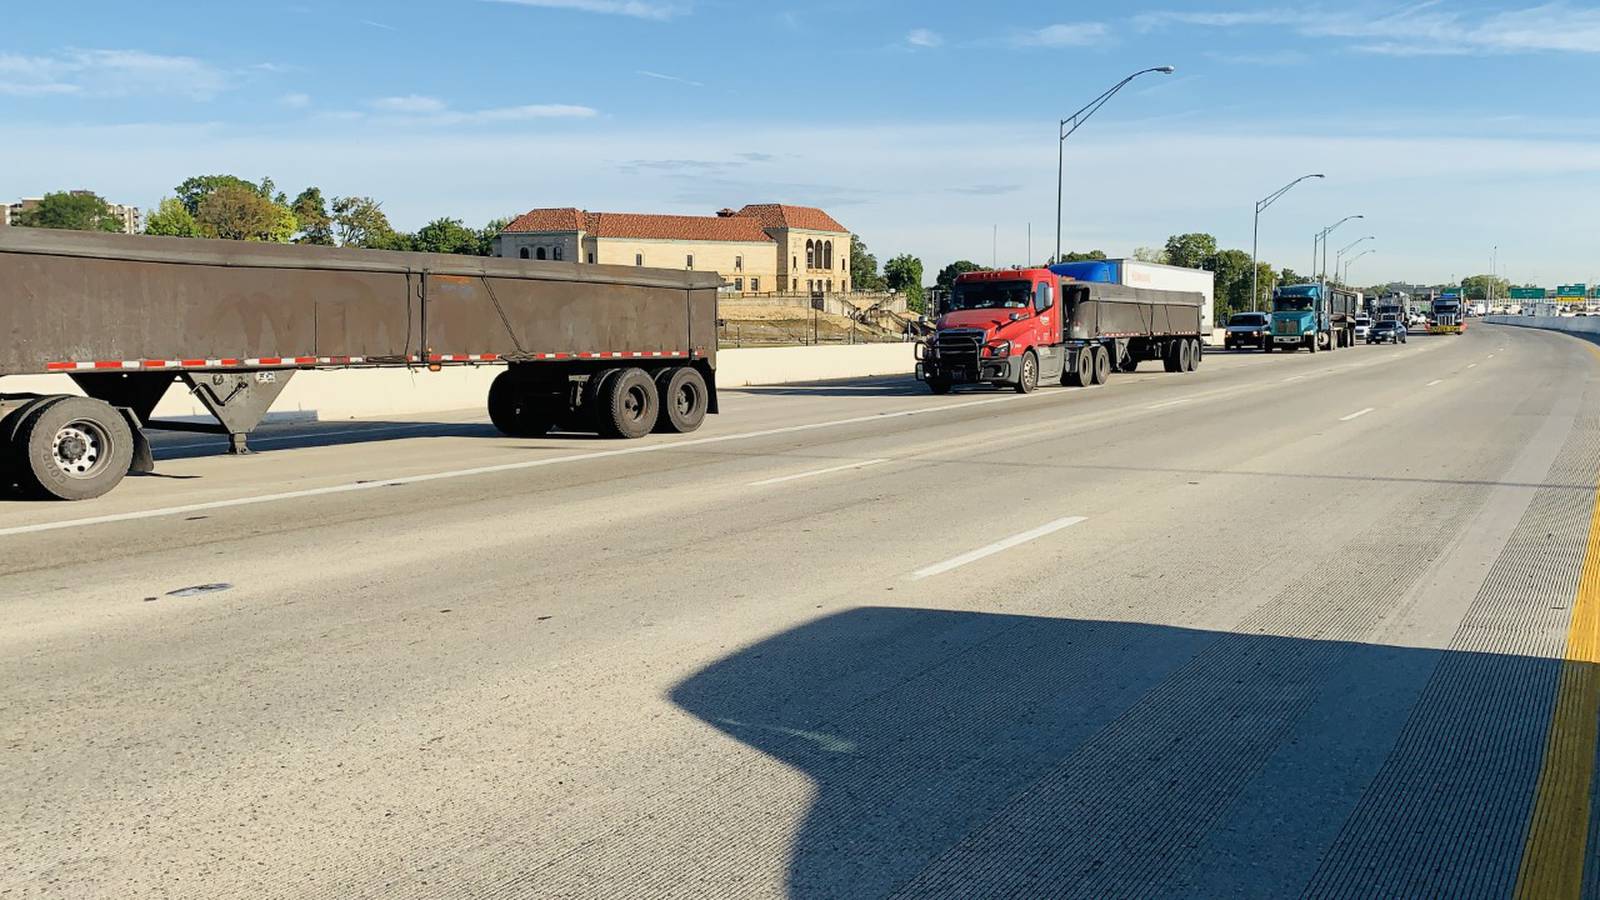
(639, 225)
(748, 224)
(778, 215)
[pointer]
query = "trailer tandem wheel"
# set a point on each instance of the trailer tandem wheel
(1102, 365)
(72, 448)
(629, 404)
(1082, 371)
(682, 392)
(517, 408)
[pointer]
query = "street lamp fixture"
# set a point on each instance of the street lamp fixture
(1255, 238)
(1071, 123)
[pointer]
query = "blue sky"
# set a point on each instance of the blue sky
(925, 127)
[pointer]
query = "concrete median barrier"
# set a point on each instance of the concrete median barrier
(1570, 324)
(375, 393)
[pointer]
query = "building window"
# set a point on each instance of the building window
(755, 285)
(524, 252)
(794, 284)
(638, 259)
(738, 285)
(827, 255)
(689, 261)
(794, 262)
(591, 259)
(539, 253)
(738, 264)
(845, 285)
(558, 252)
(830, 285)
(811, 286)
(811, 255)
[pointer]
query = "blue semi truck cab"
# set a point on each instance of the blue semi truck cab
(1313, 317)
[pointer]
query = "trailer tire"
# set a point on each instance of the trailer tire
(939, 386)
(629, 404)
(1028, 377)
(1102, 365)
(1195, 350)
(74, 448)
(683, 397)
(1082, 373)
(518, 411)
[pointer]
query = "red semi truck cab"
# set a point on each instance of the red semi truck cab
(1001, 327)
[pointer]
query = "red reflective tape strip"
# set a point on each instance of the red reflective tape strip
(305, 360)
(107, 364)
(60, 366)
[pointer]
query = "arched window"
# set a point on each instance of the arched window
(688, 261)
(539, 253)
(845, 285)
(738, 264)
(811, 255)
(557, 254)
(638, 259)
(827, 255)
(524, 252)
(794, 284)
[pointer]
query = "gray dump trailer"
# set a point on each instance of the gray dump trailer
(618, 350)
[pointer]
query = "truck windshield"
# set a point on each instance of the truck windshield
(990, 295)
(1292, 304)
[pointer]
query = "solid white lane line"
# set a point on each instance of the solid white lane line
(1435, 381)
(1172, 403)
(352, 487)
(1358, 414)
(1473, 366)
(1491, 356)
(1293, 378)
(855, 465)
(957, 562)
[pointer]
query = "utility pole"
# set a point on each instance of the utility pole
(1255, 238)
(1071, 123)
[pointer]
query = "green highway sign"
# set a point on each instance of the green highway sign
(1527, 293)
(1576, 291)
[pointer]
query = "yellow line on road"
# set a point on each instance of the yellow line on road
(1558, 830)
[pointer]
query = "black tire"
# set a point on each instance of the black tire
(518, 410)
(1266, 346)
(1312, 346)
(74, 448)
(1102, 365)
(938, 385)
(1185, 354)
(1082, 373)
(684, 399)
(1197, 352)
(629, 404)
(1169, 357)
(12, 458)
(1028, 378)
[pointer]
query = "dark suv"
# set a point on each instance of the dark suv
(1246, 330)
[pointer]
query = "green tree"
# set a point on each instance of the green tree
(489, 232)
(1150, 255)
(1476, 287)
(904, 274)
(360, 222)
(1190, 250)
(1290, 276)
(1077, 256)
(947, 275)
(1232, 270)
(172, 219)
(71, 211)
(315, 226)
(239, 213)
(193, 191)
(447, 236)
(864, 267)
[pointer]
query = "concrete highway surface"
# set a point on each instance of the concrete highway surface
(1292, 624)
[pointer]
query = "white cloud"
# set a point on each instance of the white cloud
(523, 113)
(922, 37)
(1077, 34)
(638, 9)
(1423, 29)
(109, 73)
(295, 101)
(664, 77)
(410, 103)
(379, 25)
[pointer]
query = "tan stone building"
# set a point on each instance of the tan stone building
(764, 248)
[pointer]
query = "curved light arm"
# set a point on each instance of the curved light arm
(1261, 205)
(1329, 230)
(1355, 242)
(1073, 122)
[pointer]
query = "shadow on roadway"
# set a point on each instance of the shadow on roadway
(178, 445)
(985, 755)
(897, 386)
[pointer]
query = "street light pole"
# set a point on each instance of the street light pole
(1322, 238)
(1255, 237)
(1351, 261)
(1071, 123)
(1340, 255)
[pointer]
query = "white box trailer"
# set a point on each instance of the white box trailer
(1153, 276)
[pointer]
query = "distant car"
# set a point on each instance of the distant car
(1419, 321)
(1246, 330)
(1363, 323)
(1386, 332)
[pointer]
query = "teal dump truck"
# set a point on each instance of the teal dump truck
(1314, 317)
